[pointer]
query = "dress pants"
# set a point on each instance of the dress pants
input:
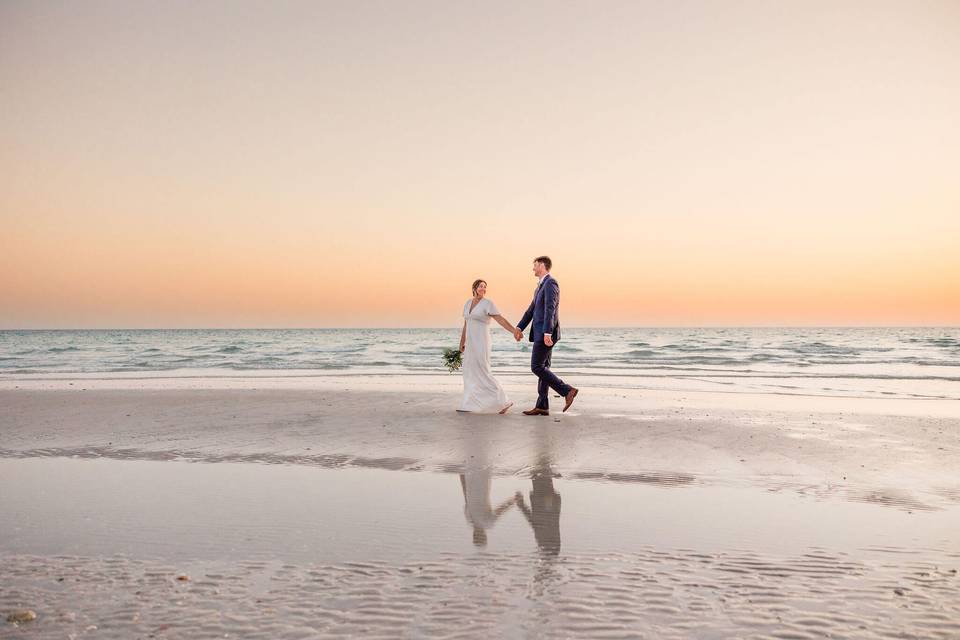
(540, 365)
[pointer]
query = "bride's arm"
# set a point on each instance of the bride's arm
(503, 323)
(506, 504)
(463, 337)
(518, 498)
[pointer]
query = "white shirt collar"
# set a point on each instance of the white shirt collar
(540, 281)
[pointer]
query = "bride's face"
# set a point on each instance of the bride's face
(481, 290)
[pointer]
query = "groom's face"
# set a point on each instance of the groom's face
(538, 269)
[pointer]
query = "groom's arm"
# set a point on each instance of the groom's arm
(551, 300)
(527, 317)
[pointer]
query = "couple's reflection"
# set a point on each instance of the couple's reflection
(542, 512)
(477, 507)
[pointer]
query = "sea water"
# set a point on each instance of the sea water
(858, 362)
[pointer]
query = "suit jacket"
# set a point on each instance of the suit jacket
(544, 311)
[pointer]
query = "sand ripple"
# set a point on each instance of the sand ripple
(653, 593)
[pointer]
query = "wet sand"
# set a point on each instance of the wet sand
(345, 506)
(901, 452)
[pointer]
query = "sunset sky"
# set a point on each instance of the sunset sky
(314, 164)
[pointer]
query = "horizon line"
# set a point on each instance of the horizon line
(345, 328)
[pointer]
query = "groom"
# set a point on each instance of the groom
(544, 333)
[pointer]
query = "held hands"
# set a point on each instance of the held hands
(517, 334)
(548, 340)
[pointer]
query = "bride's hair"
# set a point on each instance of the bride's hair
(476, 283)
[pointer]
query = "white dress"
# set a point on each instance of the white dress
(481, 392)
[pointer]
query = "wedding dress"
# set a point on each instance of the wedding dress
(481, 392)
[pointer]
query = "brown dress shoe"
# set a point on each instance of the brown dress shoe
(570, 397)
(536, 412)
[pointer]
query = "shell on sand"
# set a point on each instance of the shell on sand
(21, 615)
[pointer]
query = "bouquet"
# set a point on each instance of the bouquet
(452, 359)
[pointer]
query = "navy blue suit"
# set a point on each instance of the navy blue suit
(544, 313)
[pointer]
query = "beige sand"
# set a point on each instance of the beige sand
(685, 514)
(898, 451)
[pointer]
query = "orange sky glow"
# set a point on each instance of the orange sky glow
(304, 164)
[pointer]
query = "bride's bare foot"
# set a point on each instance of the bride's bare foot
(506, 408)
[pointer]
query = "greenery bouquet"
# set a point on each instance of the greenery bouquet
(452, 359)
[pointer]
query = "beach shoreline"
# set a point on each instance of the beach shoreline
(905, 447)
(320, 506)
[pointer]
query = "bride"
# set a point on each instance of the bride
(481, 391)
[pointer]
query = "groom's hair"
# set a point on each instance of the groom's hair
(547, 262)
(476, 283)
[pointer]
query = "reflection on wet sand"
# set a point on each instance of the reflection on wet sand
(283, 551)
(476, 481)
(477, 507)
(543, 513)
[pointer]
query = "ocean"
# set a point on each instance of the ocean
(858, 362)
